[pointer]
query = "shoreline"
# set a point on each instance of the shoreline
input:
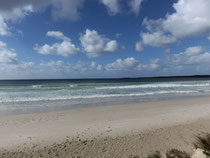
(127, 129)
(32, 107)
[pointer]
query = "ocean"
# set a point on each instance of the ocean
(26, 96)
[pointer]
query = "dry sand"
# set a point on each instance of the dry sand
(108, 131)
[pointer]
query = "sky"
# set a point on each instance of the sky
(55, 39)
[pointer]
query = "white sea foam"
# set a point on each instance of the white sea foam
(48, 98)
(154, 86)
(78, 93)
(72, 85)
(36, 86)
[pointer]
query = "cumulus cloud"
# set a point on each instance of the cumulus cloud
(58, 35)
(192, 56)
(50, 69)
(7, 56)
(61, 69)
(155, 36)
(95, 45)
(65, 48)
(196, 50)
(157, 39)
(123, 65)
(133, 67)
(184, 22)
(192, 61)
(111, 46)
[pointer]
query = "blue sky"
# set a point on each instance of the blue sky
(103, 38)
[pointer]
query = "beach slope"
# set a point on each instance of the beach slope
(108, 131)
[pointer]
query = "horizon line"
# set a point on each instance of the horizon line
(178, 76)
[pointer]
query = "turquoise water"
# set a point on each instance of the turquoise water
(28, 95)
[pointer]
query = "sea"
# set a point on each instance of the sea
(27, 96)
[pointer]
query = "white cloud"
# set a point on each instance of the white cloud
(13, 10)
(66, 9)
(192, 56)
(93, 64)
(191, 18)
(157, 39)
(123, 65)
(192, 61)
(12, 15)
(133, 67)
(99, 67)
(4, 30)
(116, 6)
(65, 48)
(155, 36)
(61, 9)
(113, 6)
(58, 35)
(139, 47)
(135, 5)
(111, 46)
(7, 56)
(52, 63)
(21, 70)
(60, 67)
(153, 65)
(16, 12)
(50, 69)
(196, 50)
(86, 67)
(10, 67)
(95, 45)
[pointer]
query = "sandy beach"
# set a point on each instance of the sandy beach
(107, 131)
